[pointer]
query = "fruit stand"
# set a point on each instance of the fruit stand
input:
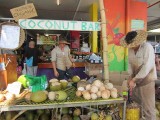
(51, 105)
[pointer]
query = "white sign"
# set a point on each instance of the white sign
(59, 25)
(10, 36)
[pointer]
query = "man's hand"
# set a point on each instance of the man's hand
(56, 73)
(73, 65)
(131, 84)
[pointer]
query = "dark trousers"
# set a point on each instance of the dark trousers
(65, 74)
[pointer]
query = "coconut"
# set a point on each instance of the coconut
(97, 83)
(64, 83)
(105, 94)
(99, 94)
(78, 93)
(76, 79)
(102, 88)
(93, 96)
(108, 117)
(85, 91)
(61, 95)
(51, 95)
(55, 86)
(114, 94)
(53, 80)
(81, 89)
(109, 86)
(94, 116)
(87, 96)
(77, 112)
(94, 89)
(114, 89)
(88, 87)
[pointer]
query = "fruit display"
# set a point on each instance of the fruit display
(97, 90)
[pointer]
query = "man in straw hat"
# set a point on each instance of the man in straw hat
(142, 70)
(61, 60)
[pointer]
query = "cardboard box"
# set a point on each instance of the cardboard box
(92, 69)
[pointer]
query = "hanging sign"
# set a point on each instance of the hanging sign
(59, 25)
(23, 12)
(137, 25)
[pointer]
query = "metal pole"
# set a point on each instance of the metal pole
(124, 110)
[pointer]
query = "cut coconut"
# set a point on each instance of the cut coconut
(81, 89)
(93, 96)
(94, 89)
(78, 93)
(88, 87)
(109, 86)
(97, 83)
(105, 94)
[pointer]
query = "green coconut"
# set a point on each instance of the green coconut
(108, 117)
(38, 96)
(66, 117)
(61, 95)
(94, 116)
(76, 79)
(65, 110)
(64, 83)
(22, 79)
(76, 118)
(44, 117)
(77, 112)
(55, 86)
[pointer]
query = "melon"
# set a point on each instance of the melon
(61, 95)
(76, 79)
(38, 96)
(55, 86)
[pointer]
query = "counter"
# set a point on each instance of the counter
(46, 69)
(49, 65)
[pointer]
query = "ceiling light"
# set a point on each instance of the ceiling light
(58, 2)
(155, 30)
(46, 35)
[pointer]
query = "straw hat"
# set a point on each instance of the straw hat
(63, 41)
(134, 38)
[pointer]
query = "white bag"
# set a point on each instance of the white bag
(24, 71)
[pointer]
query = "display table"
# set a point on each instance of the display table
(48, 105)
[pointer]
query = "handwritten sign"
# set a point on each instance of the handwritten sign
(59, 25)
(23, 12)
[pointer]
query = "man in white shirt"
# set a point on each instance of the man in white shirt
(62, 60)
(142, 71)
